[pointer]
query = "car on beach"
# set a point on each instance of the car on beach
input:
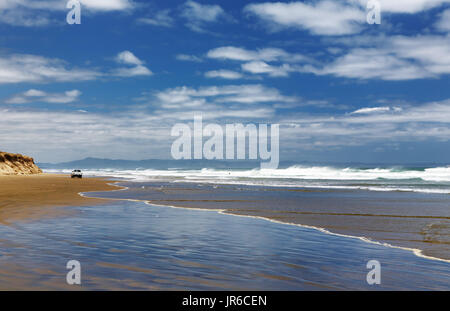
(76, 174)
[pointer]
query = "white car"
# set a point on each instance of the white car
(76, 174)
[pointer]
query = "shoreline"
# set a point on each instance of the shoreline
(160, 248)
(25, 204)
(30, 197)
(228, 211)
(417, 252)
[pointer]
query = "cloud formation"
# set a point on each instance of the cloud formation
(108, 5)
(406, 6)
(274, 62)
(24, 68)
(19, 68)
(161, 18)
(392, 58)
(199, 15)
(188, 58)
(224, 74)
(33, 95)
(137, 66)
(227, 95)
(264, 54)
(376, 110)
(29, 13)
(130, 133)
(323, 17)
(443, 23)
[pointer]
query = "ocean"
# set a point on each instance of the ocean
(407, 179)
(402, 206)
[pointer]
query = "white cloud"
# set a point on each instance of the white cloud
(326, 17)
(126, 57)
(406, 6)
(137, 69)
(22, 68)
(202, 12)
(199, 15)
(435, 112)
(30, 68)
(60, 5)
(130, 133)
(36, 5)
(431, 52)
(428, 122)
(265, 54)
(161, 18)
(232, 53)
(23, 18)
(107, 5)
(444, 22)
(29, 13)
(244, 94)
(47, 134)
(189, 58)
(224, 74)
(133, 71)
(322, 18)
(259, 67)
(218, 102)
(257, 61)
(34, 95)
(373, 64)
(372, 110)
(391, 58)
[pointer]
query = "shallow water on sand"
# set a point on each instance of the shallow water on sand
(411, 220)
(132, 245)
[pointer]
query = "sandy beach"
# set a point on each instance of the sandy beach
(412, 221)
(31, 197)
(130, 245)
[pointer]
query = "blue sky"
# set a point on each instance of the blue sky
(342, 90)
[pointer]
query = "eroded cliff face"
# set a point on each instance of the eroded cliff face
(17, 164)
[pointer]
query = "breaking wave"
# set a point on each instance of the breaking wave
(426, 180)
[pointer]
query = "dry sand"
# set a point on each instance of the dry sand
(30, 197)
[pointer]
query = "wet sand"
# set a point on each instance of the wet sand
(411, 220)
(24, 198)
(131, 245)
(126, 245)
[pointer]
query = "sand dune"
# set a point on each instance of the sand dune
(17, 164)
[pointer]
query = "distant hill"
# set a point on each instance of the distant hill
(96, 163)
(158, 164)
(17, 164)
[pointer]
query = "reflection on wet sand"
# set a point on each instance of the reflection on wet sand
(126, 245)
(411, 220)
